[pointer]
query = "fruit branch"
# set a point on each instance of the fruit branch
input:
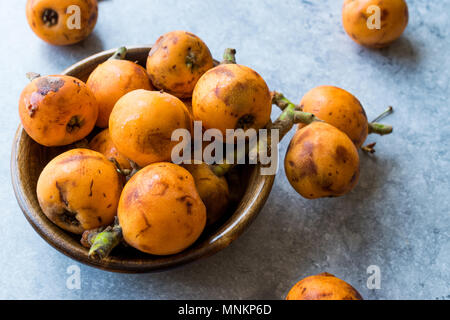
(229, 56)
(283, 124)
(120, 54)
(379, 128)
(385, 113)
(104, 242)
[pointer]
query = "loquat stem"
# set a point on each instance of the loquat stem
(229, 56)
(379, 128)
(89, 235)
(370, 148)
(104, 242)
(120, 54)
(385, 113)
(280, 100)
(119, 169)
(284, 123)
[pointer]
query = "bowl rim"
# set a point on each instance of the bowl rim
(59, 239)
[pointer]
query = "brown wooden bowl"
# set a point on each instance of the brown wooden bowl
(28, 158)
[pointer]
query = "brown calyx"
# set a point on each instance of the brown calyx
(75, 123)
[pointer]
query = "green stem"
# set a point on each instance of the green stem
(89, 235)
(120, 54)
(284, 123)
(104, 242)
(229, 56)
(379, 128)
(280, 100)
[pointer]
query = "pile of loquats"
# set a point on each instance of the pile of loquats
(116, 185)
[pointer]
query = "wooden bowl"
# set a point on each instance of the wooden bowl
(28, 158)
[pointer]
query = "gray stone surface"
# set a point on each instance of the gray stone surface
(397, 217)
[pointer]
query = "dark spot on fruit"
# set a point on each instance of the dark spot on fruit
(245, 122)
(69, 217)
(189, 207)
(45, 85)
(90, 188)
(132, 196)
(92, 18)
(188, 202)
(32, 108)
(148, 225)
(354, 177)
(326, 185)
(308, 166)
(153, 142)
(222, 70)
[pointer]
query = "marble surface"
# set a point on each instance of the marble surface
(398, 216)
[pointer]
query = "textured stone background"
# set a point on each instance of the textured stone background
(397, 217)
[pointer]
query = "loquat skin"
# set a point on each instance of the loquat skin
(113, 79)
(213, 191)
(232, 96)
(53, 22)
(103, 143)
(321, 161)
(142, 122)
(79, 190)
(57, 110)
(393, 21)
(160, 210)
(323, 286)
(176, 61)
(340, 109)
